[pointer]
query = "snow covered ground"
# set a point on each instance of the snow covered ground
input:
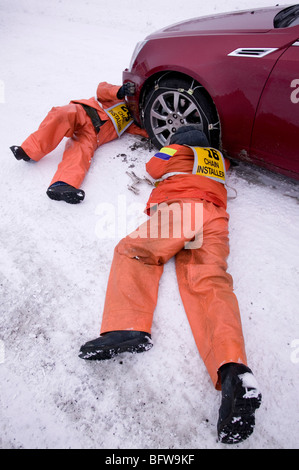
(55, 262)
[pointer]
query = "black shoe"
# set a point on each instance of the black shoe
(240, 399)
(115, 342)
(61, 191)
(19, 153)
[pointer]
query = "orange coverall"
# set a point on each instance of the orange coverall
(73, 122)
(205, 286)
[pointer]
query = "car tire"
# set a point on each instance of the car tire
(173, 102)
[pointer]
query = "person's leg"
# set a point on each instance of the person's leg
(64, 121)
(61, 191)
(137, 268)
(133, 283)
(60, 122)
(240, 398)
(207, 294)
(19, 153)
(115, 342)
(213, 312)
(78, 153)
(77, 157)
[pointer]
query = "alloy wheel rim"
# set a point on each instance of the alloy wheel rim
(171, 110)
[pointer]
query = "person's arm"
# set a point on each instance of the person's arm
(156, 167)
(128, 89)
(136, 130)
(107, 92)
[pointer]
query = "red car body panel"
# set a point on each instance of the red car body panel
(259, 121)
(276, 127)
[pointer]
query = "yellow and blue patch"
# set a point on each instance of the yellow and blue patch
(165, 153)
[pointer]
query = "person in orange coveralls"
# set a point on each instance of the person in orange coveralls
(88, 123)
(190, 186)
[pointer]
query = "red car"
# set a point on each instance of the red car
(236, 75)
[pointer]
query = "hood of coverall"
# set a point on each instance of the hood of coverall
(189, 135)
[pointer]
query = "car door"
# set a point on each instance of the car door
(276, 128)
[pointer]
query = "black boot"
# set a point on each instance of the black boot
(240, 398)
(19, 153)
(61, 191)
(116, 342)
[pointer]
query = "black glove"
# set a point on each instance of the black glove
(128, 89)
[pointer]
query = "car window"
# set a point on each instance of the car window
(287, 17)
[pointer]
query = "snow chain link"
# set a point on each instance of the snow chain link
(136, 179)
(211, 126)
